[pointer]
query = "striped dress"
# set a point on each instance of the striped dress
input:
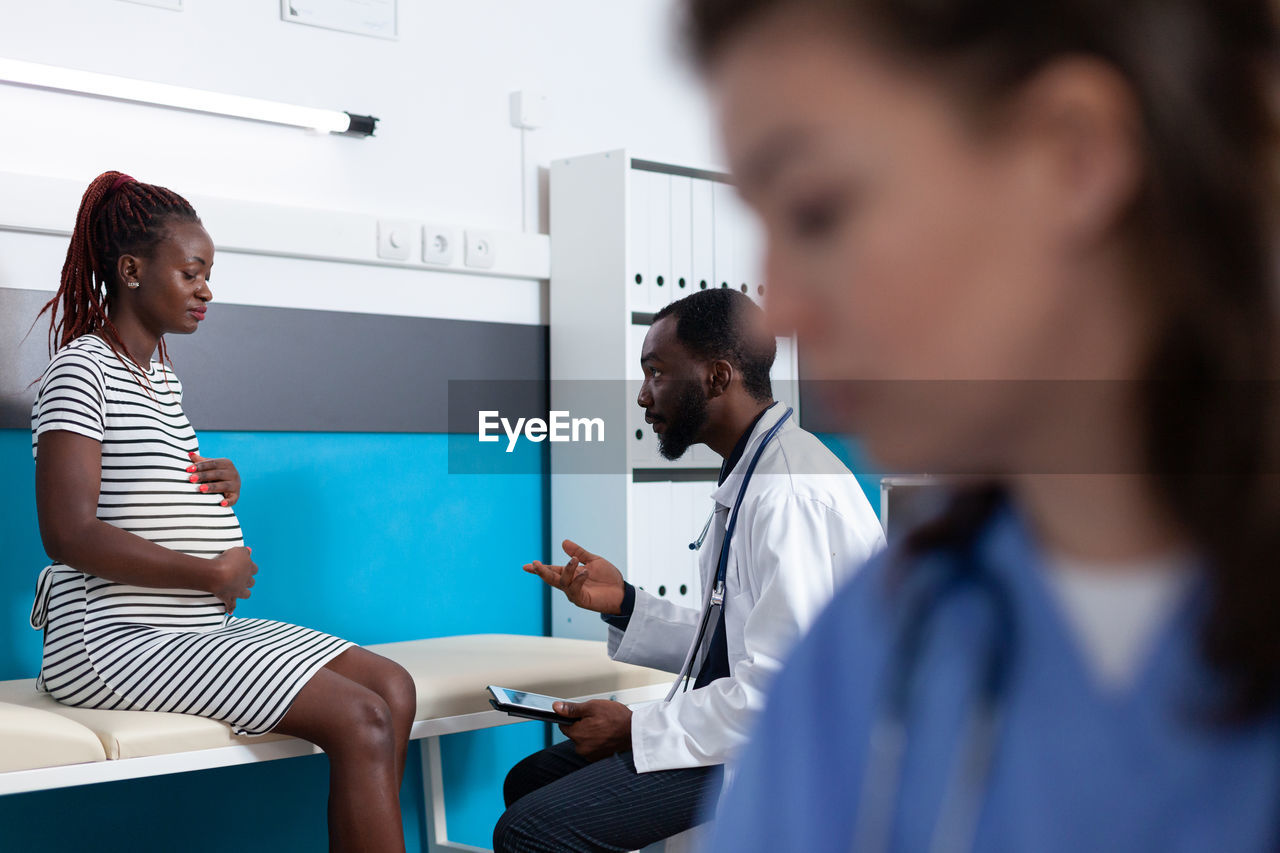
(115, 646)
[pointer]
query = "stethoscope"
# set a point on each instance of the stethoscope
(714, 604)
(963, 796)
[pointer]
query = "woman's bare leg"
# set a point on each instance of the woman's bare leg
(390, 681)
(354, 726)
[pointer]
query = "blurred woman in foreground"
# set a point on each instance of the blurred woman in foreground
(1030, 244)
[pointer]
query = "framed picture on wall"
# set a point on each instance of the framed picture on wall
(376, 18)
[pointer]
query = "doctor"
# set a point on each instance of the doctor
(626, 778)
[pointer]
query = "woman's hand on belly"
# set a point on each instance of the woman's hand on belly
(68, 482)
(215, 476)
(233, 573)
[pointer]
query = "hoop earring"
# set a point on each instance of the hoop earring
(133, 285)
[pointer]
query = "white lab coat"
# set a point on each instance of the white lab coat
(805, 526)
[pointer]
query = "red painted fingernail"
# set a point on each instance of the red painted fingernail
(224, 503)
(191, 468)
(205, 487)
(193, 478)
(192, 454)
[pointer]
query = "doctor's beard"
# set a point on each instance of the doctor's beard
(683, 429)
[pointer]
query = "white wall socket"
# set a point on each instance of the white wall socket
(439, 244)
(481, 249)
(395, 239)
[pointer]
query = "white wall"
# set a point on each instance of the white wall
(444, 150)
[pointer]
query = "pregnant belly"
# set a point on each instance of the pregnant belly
(109, 605)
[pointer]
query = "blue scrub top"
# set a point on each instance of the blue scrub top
(1078, 766)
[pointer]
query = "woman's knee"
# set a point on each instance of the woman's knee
(341, 716)
(399, 691)
(384, 677)
(363, 724)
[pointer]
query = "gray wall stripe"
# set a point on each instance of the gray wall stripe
(251, 368)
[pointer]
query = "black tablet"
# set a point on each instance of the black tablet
(533, 706)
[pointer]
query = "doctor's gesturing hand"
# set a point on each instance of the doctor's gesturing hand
(588, 580)
(591, 582)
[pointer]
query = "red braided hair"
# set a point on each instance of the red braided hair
(118, 216)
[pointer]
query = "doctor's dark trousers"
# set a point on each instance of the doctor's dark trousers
(559, 801)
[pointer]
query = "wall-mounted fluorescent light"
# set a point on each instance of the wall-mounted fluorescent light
(145, 92)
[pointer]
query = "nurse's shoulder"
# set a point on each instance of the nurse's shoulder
(825, 698)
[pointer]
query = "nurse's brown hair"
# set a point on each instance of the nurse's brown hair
(1200, 230)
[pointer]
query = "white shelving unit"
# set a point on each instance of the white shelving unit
(630, 236)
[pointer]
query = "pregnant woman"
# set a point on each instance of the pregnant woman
(148, 556)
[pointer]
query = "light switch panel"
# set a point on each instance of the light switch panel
(396, 239)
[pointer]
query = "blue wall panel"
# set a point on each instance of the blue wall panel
(364, 535)
(852, 455)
